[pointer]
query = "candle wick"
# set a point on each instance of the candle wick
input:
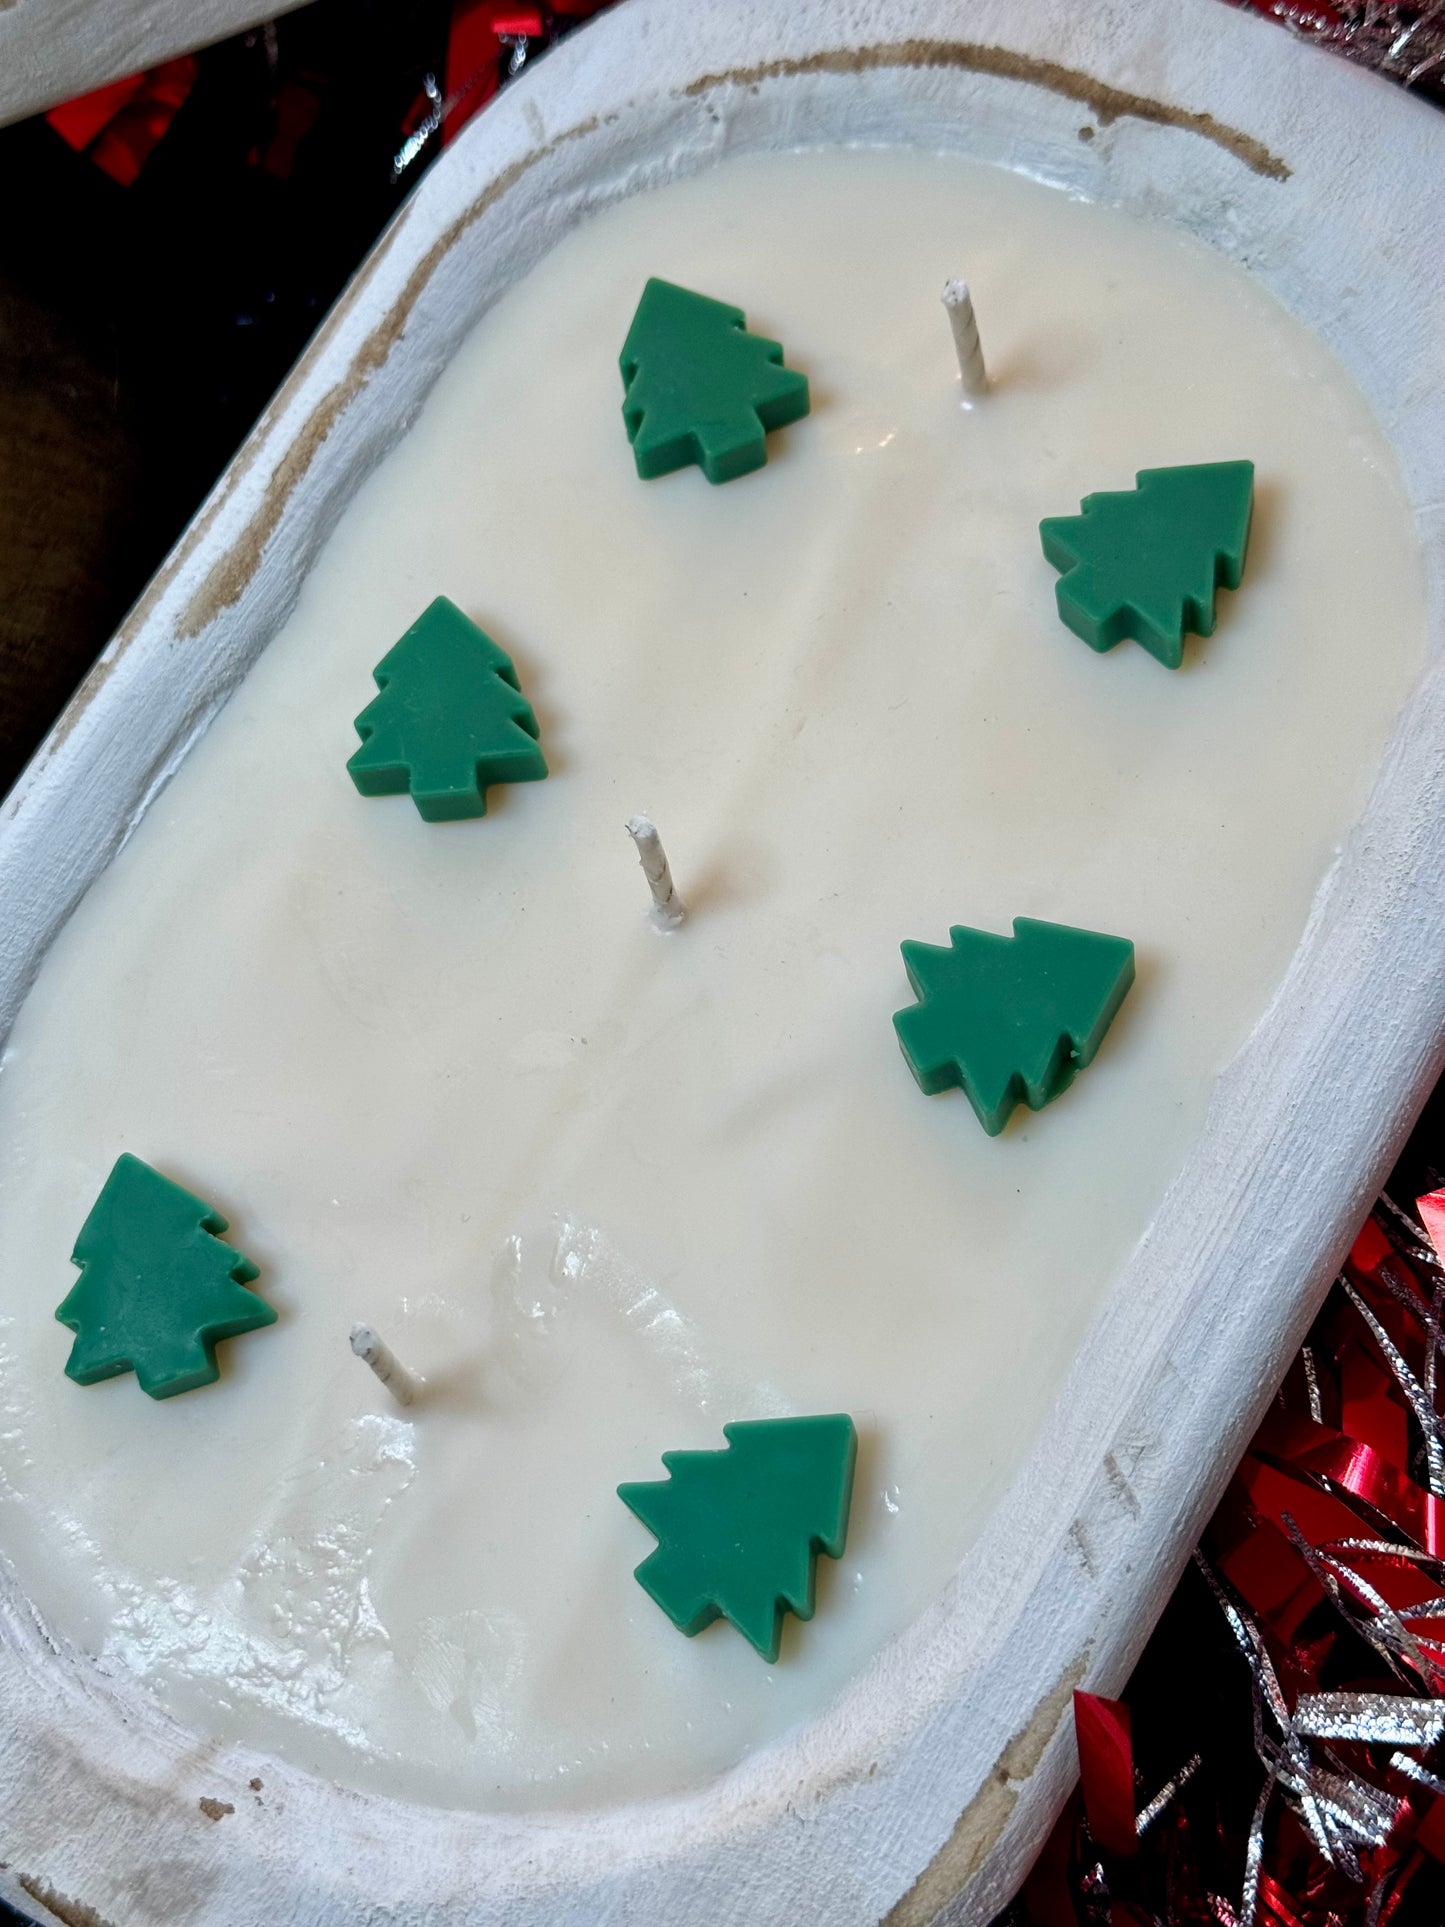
(373, 1350)
(668, 908)
(964, 322)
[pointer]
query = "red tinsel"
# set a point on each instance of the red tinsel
(1298, 1778)
(124, 121)
(1243, 1780)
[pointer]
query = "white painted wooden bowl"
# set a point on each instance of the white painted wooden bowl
(923, 1790)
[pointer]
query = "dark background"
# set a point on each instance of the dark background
(144, 326)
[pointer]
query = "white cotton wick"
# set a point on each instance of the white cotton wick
(668, 908)
(373, 1350)
(964, 322)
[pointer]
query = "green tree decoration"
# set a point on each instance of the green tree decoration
(700, 388)
(449, 720)
(157, 1289)
(1146, 562)
(739, 1531)
(1011, 1019)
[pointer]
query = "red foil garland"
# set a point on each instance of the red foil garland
(1301, 1780)
(121, 123)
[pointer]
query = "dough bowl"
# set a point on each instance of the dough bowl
(49, 54)
(921, 1793)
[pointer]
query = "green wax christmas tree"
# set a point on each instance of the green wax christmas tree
(1011, 1019)
(1146, 562)
(449, 720)
(158, 1290)
(739, 1531)
(700, 388)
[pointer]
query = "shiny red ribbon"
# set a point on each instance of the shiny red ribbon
(124, 122)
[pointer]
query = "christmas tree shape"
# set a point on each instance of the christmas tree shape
(157, 1289)
(700, 388)
(1011, 1019)
(1146, 562)
(739, 1531)
(449, 720)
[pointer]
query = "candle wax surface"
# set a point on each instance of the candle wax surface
(607, 1189)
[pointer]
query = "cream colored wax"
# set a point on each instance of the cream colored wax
(606, 1188)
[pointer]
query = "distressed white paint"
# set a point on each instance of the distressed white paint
(98, 1795)
(52, 50)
